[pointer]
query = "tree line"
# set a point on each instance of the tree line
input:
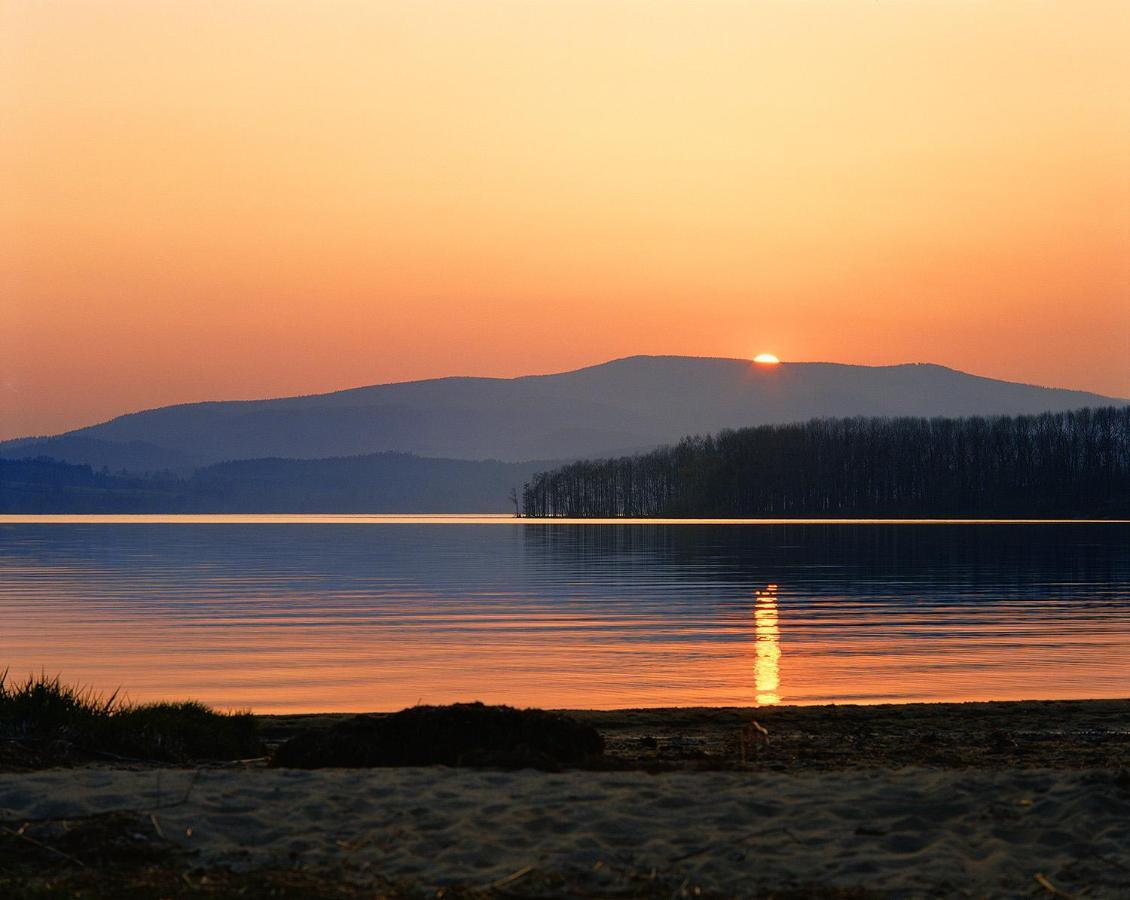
(1055, 464)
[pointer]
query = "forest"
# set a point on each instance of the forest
(1068, 464)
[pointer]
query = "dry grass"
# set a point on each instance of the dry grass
(46, 722)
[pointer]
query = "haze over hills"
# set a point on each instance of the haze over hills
(617, 407)
(374, 483)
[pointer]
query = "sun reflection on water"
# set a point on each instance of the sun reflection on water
(767, 636)
(332, 618)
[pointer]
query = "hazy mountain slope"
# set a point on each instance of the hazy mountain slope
(132, 455)
(382, 482)
(472, 420)
(624, 405)
(723, 393)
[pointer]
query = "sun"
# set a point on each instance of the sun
(766, 359)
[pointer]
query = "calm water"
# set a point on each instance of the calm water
(352, 613)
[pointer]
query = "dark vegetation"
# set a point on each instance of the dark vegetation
(379, 482)
(46, 485)
(462, 734)
(1055, 464)
(45, 722)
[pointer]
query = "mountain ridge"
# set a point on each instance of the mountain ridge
(620, 406)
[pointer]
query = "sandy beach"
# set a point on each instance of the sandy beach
(1033, 733)
(965, 800)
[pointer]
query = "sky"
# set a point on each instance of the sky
(256, 199)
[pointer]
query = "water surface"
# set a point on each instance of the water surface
(307, 613)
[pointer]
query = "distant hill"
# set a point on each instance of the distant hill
(129, 456)
(610, 409)
(378, 483)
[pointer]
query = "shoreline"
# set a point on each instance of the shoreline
(996, 799)
(984, 734)
(330, 518)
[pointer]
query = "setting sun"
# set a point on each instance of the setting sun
(402, 346)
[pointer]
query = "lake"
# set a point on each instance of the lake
(316, 613)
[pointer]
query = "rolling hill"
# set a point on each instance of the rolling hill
(617, 407)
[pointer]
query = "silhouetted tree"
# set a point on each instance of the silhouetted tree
(1070, 463)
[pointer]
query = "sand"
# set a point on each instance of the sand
(991, 829)
(914, 831)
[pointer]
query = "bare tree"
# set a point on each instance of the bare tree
(1070, 463)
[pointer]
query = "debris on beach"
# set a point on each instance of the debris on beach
(462, 734)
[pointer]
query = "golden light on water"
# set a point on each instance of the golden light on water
(767, 636)
(766, 359)
(352, 623)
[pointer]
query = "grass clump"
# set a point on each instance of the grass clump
(462, 734)
(44, 721)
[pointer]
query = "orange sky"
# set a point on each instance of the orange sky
(247, 199)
